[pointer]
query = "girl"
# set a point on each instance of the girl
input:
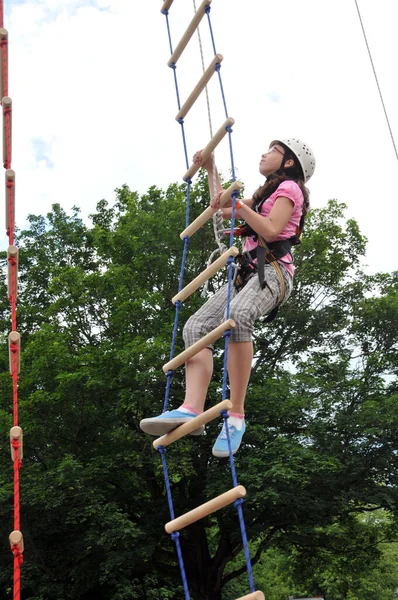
(273, 217)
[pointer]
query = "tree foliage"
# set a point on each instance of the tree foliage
(95, 315)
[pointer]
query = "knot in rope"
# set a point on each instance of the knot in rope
(181, 121)
(16, 550)
(169, 374)
(207, 9)
(188, 180)
(9, 183)
(238, 502)
(175, 535)
(164, 12)
(227, 333)
(162, 450)
(178, 304)
(228, 128)
(3, 43)
(14, 347)
(224, 415)
(173, 66)
(217, 67)
(12, 261)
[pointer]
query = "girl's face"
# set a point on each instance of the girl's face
(271, 160)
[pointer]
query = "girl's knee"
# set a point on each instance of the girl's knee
(239, 316)
(191, 332)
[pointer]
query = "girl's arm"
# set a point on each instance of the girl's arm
(268, 227)
(215, 187)
(227, 208)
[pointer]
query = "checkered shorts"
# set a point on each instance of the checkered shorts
(246, 307)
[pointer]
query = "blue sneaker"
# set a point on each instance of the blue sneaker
(220, 448)
(168, 421)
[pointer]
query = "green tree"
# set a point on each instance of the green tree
(96, 317)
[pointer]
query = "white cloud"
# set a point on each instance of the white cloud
(90, 84)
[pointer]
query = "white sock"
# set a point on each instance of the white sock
(187, 409)
(236, 422)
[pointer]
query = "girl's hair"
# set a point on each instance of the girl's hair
(294, 173)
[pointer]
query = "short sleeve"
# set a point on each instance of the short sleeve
(290, 189)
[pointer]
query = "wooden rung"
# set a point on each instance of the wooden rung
(253, 596)
(209, 212)
(16, 434)
(10, 185)
(207, 416)
(205, 275)
(166, 5)
(12, 279)
(7, 106)
(16, 539)
(207, 150)
(208, 339)
(14, 339)
(3, 64)
(205, 509)
(189, 32)
(200, 86)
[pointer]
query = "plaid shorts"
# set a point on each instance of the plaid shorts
(246, 307)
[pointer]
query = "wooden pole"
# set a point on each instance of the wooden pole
(207, 416)
(188, 33)
(7, 105)
(253, 596)
(207, 150)
(12, 279)
(209, 212)
(205, 275)
(206, 509)
(200, 86)
(16, 538)
(211, 337)
(10, 176)
(3, 36)
(14, 338)
(166, 5)
(16, 434)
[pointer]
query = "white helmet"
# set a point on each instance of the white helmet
(302, 152)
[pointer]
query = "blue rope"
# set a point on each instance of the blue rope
(166, 14)
(239, 502)
(207, 11)
(181, 121)
(176, 535)
(238, 505)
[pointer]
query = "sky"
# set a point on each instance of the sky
(94, 101)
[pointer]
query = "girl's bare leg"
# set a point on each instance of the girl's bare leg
(199, 369)
(240, 357)
(198, 372)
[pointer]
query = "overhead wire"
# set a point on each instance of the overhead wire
(376, 78)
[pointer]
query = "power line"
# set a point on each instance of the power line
(377, 81)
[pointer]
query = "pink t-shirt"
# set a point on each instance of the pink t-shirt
(288, 189)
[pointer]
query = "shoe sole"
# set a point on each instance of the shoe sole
(159, 428)
(223, 454)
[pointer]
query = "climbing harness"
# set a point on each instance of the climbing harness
(14, 338)
(250, 262)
